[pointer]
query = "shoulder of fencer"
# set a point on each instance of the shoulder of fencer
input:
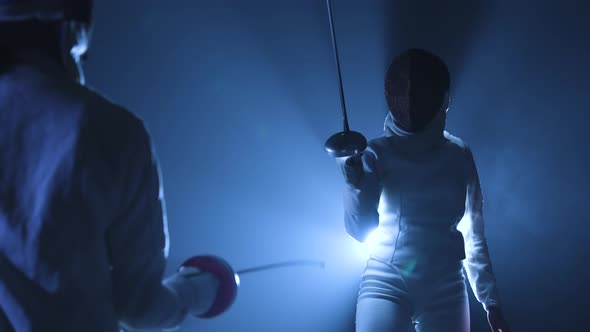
(461, 149)
(457, 143)
(104, 115)
(454, 140)
(107, 131)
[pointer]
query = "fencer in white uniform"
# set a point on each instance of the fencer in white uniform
(83, 234)
(416, 191)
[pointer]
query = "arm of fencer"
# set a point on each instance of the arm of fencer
(361, 194)
(477, 262)
(137, 242)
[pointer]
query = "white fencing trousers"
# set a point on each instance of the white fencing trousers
(398, 298)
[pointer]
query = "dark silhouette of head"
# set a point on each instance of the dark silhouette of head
(58, 28)
(417, 88)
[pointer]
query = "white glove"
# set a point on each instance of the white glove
(352, 169)
(196, 291)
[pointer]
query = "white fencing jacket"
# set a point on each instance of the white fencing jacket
(83, 239)
(422, 190)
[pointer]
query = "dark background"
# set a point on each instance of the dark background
(240, 96)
